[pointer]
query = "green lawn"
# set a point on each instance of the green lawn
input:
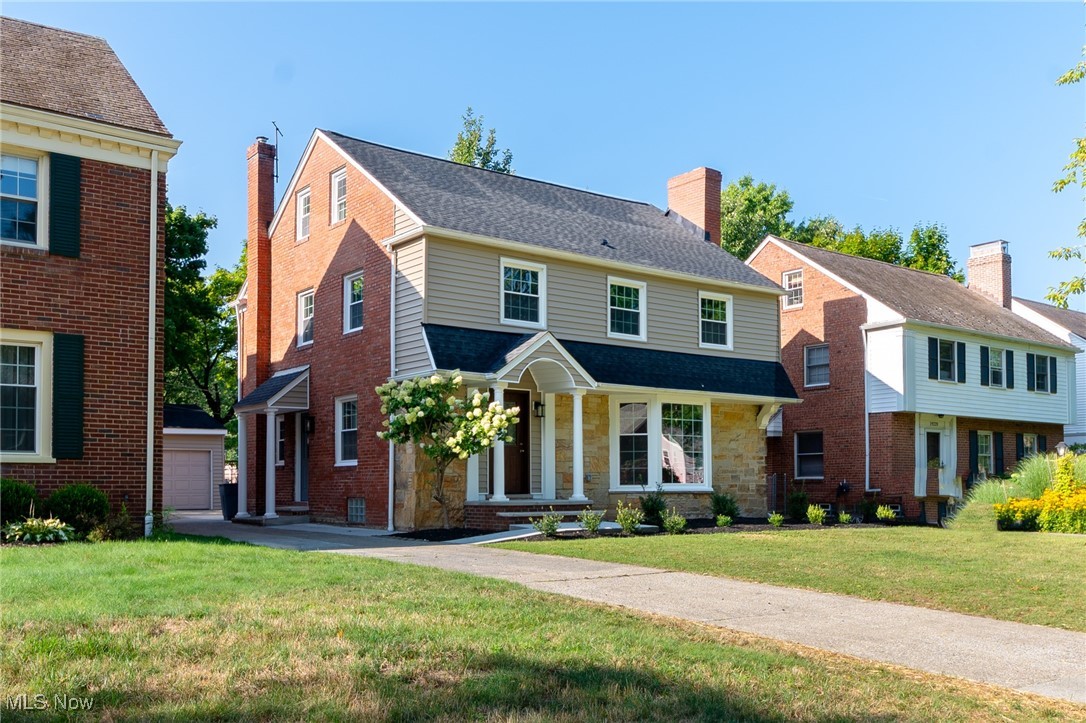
(1028, 577)
(188, 629)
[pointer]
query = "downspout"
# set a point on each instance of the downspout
(152, 315)
(394, 256)
(867, 421)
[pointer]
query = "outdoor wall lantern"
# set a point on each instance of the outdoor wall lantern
(309, 423)
(540, 410)
(1061, 448)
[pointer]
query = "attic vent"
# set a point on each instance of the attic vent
(356, 509)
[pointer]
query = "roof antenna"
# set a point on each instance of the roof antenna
(278, 134)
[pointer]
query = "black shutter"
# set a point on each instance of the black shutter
(1042, 443)
(65, 173)
(1052, 374)
(984, 366)
(933, 358)
(997, 442)
(1019, 446)
(1031, 366)
(68, 396)
(1008, 368)
(974, 448)
(961, 362)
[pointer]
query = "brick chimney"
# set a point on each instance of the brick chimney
(695, 196)
(261, 157)
(989, 271)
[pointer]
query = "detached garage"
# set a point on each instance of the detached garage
(192, 458)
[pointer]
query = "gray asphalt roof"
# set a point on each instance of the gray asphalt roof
(269, 389)
(187, 416)
(472, 200)
(1073, 321)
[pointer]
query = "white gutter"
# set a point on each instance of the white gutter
(876, 325)
(152, 313)
(393, 258)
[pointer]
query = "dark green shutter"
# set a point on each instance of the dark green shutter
(65, 174)
(984, 366)
(997, 442)
(974, 449)
(68, 355)
(1019, 447)
(961, 362)
(1008, 368)
(933, 358)
(1052, 374)
(1042, 443)
(1031, 367)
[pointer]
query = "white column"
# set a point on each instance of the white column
(578, 446)
(473, 479)
(269, 466)
(299, 422)
(549, 475)
(498, 471)
(243, 466)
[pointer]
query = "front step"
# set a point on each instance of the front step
(290, 518)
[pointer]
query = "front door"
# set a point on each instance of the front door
(935, 461)
(518, 452)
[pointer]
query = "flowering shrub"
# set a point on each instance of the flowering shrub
(548, 524)
(1061, 507)
(723, 521)
(816, 515)
(430, 413)
(37, 530)
(628, 517)
(776, 519)
(1021, 513)
(590, 520)
(674, 523)
(885, 513)
(844, 518)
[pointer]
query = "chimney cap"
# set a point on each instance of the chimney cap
(988, 248)
(261, 139)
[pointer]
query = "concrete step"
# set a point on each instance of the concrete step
(261, 521)
(540, 513)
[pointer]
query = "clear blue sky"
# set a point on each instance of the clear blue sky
(881, 114)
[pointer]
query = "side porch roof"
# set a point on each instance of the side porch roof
(285, 391)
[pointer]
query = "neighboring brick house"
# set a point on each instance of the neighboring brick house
(82, 187)
(913, 385)
(639, 352)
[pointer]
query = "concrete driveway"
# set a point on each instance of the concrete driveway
(1027, 658)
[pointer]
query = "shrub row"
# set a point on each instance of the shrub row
(1060, 508)
(81, 508)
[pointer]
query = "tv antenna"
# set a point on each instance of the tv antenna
(278, 135)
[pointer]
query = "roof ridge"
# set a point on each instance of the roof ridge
(865, 258)
(54, 28)
(487, 170)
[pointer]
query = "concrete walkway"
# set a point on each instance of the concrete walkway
(1027, 658)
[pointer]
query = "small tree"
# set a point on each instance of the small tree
(428, 412)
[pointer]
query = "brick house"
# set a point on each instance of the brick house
(640, 353)
(82, 185)
(913, 385)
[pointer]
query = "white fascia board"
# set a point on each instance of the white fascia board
(1041, 320)
(787, 249)
(544, 338)
(288, 194)
(714, 396)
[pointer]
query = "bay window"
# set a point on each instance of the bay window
(659, 441)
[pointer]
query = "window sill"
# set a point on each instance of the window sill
(25, 246)
(25, 458)
(808, 479)
(347, 463)
(333, 224)
(716, 347)
(816, 386)
(797, 307)
(304, 344)
(625, 337)
(666, 489)
(524, 324)
(301, 240)
(347, 332)
(280, 464)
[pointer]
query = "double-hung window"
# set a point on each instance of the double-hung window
(659, 441)
(20, 399)
(302, 214)
(995, 367)
(21, 214)
(715, 318)
(338, 205)
(626, 309)
(347, 431)
(305, 317)
(1041, 376)
(633, 443)
(1029, 445)
(810, 460)
(524, 293)
(792, 281)
(948, 364)
(816, 365)
(352, 302)
(985, 463)
(281, 439)
(682, 443)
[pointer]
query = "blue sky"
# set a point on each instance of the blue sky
(881, 114)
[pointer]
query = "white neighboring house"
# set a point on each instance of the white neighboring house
(1069, 325)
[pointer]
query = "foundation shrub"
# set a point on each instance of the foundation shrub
(82, 506)
(17, 499)
(798, 501)
(724, 504)
(653, 505)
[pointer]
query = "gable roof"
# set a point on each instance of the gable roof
(1073, 321)
(70, 73)
(472, 200)
(187, 416)
(922, 296)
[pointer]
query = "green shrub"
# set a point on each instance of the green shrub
(628, 517)
(82, 506)
(590, 520)
(776, 519)
(797, 504)
(816, 515)
(844, 518)
(547, 525)
(674, 523)
(885, 513)
(867, 509)
(654, 506)
(724, 504)
(723, 521)
(36, 530)
(116, 527)
(16, 500)
(1033, 476)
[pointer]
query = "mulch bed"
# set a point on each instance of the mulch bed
(441, 535)
(705, 526)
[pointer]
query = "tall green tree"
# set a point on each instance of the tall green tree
(929, 250)
(749, 211)
(1074, 174)
(471, 150)
(186, 301)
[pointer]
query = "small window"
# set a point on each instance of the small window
(715, 318)
(633, 443)
(682, 444)
(816, 364)
(792, 281)
(935, 454)
(523, 293)
(1041, 373)
(305, 318)
(281, 437)
(626, 309)
(339, 195)
(809, 458)
(985, 464)
(352, 302)
(19, 200)
(356, 510)
(347, 431)
(948, 365)
(1029, 445)
(302, 226)
(20, 411)
(995, 367)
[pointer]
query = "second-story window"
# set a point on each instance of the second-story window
(302, 213)
(19, 199)
(792, 281)
(626, 309)
(715, 320)
(352, 302)
(947, 362)
(816, 365)
(524, 293)
(995, 367)
(305, 317)
(339, 195)
(1041, 376)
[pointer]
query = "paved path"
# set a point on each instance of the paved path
(1028, 658)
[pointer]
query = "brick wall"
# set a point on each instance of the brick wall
(102, 295)
(695, 195)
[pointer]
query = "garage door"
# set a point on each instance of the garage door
(186, 479)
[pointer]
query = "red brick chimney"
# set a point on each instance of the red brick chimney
(989, 271)
(695, 196)
(261, 156)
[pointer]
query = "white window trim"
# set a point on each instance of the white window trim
(990, 457)
(333, 203)
(340, 462)
(655, 403)
(298, 335)
(302, 194)
(784, 285)
(643, 308)
(795, 454)
(1002, 353)
(726, 298)
(43, 361)
(347, 281)
(42, 242)
(953, 358)
(1047, 368)
(1026, 451)
(518, 264)
(806, 382)
(280, 459)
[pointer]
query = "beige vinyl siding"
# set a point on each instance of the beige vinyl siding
(464, 289)
(296, 398)
(411, 356)
(402, 222)
(201, 442)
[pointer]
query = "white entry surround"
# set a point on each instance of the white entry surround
(946, 427)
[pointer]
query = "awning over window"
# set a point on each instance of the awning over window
(286, 391)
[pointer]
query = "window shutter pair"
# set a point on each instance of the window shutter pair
(933, 359)
(68, 360)
(985, 376)
(65, 181)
